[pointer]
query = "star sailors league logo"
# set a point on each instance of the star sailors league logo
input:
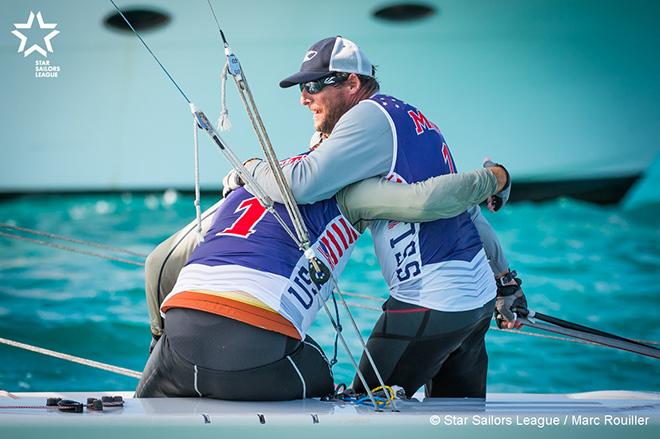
(43, 68)
(35, 47)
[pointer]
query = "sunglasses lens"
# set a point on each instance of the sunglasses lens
(313, 87)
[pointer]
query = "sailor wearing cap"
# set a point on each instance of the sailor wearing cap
(440, 274)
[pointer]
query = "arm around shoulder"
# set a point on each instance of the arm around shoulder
(438, 197)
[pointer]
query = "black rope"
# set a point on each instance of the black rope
(222, 34)
(339, 329)
(578, 327)
(148, 49)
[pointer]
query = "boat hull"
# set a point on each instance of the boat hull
(602, 414)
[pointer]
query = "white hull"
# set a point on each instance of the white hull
(558, 91)
(606, 413)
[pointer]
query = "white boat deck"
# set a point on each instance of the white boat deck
(606, 414)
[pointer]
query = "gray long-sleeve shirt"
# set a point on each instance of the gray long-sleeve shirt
(360, 146)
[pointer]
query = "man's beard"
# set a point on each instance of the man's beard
(334, 113)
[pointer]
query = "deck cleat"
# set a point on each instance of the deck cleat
(94, 404)
(52, 402)
(70, 406)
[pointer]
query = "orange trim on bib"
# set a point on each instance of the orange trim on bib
(233, 309)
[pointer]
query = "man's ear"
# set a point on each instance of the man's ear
(353, 83)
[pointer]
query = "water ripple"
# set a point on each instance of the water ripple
(595, 265)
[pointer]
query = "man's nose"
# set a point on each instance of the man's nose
(305, 98)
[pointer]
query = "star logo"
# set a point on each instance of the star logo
(35, 47)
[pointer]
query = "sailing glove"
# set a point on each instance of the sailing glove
(497, 201)
(509, 297)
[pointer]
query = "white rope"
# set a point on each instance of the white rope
(77, 241)
(72, 358)
(71, 249)
(223, 121)
(357, 305)
(510, 331)
(198, 210)
(345, 293)
(364, 296)
(535, 334)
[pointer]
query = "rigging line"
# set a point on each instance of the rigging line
(204, 124)
(272, 160)
(250, 183)
(359, 336)
(264, 141)
(73, 358)
(152, 54)
(347, 294)
(358, 372)
(536, 334)
(77, 241)
(215, 17)
(357, 305)
(202, 121)
(516, 331)
(364, 296)
(605, 341)
(198, 208)
(651, 342)
(511, 331)
(555, 337)
(570, 325)
(71, 249)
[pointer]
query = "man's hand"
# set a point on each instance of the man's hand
(233, 181)
(501, 175)
(509, 296)
(497, 201)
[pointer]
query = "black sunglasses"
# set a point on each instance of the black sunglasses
(313, 87)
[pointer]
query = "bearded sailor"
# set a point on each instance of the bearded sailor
(442, 289)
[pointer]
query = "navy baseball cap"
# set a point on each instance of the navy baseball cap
(335, 54)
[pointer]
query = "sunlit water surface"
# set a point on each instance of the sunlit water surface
(595, 265)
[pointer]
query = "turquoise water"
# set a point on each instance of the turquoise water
(596, 265)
